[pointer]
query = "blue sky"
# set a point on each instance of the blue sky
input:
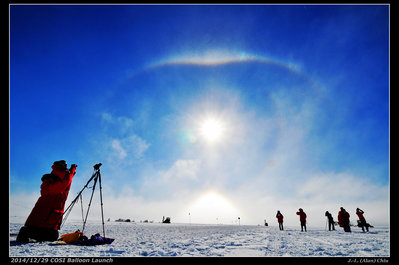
(300, 96)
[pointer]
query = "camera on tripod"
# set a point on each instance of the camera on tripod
(96, 177)
(97, 166)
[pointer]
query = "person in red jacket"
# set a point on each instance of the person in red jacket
(45, 218)
(302, 218)
(280, 218)
(362, 221)
(343, 220)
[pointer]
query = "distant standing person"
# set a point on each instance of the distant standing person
(362, 221)
(302, 218)
(330, 221)
(343, 220)
(280, 218)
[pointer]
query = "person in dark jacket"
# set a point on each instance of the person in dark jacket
(302, 218)
(343, 220)
(45, 218)
(280, 218)
(362, 221)
(330, 221)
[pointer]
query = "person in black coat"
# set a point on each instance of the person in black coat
(330, 221)
(343, 220)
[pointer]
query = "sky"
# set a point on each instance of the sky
(204, 113)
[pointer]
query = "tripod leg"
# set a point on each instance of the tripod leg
(101, 200)
(69, 208)
(91, 198)
(81, 207)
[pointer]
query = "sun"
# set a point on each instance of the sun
(211, 130)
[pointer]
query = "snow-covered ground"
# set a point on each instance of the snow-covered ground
(156, 239)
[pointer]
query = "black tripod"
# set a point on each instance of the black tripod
(96, 177)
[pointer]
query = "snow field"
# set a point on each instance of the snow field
(145, 239)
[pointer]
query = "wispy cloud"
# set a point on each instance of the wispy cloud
(182, 170)
(341, 187)
(123, 144)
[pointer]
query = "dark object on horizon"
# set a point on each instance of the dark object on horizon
(330, 221)
(166, 220)
(45, 219)
(123, 220)
(302, 218)
(343, 220)
(266, 224)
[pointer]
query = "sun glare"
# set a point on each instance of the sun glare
(211, 130)
(212, 207)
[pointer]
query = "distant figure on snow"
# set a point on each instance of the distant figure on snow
(362, 221)
(302, 218)
(45, 218)
(330, 221)
(343, 220)
(280, 218)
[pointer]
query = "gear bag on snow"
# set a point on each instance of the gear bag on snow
(94, 240)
